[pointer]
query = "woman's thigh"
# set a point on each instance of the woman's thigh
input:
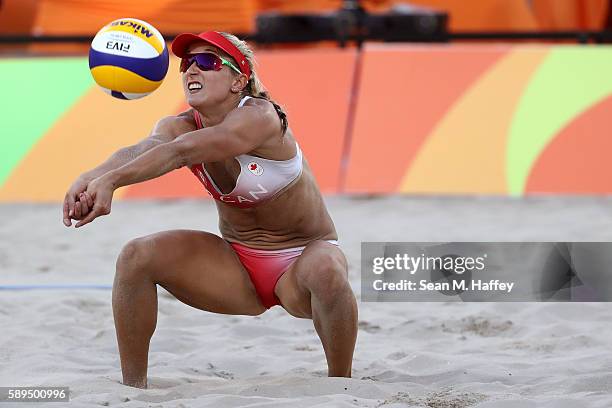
(201, 270)
(321, 264)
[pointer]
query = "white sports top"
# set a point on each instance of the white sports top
(259, 179)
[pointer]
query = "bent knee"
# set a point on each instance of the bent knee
(328, 276)
(135, 256)
(332, 282)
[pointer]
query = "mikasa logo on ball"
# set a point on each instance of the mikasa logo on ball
(137, 27)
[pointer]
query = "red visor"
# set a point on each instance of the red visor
(182, 41)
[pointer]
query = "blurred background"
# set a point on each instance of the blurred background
(480, 97)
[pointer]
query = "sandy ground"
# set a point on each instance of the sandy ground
(437, 355)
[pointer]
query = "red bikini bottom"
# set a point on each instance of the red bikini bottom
(265, 267)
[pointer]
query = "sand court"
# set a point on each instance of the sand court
(420, 354)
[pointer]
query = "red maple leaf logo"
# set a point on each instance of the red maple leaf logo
(253, 166)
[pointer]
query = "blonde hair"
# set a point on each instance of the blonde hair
(255, 87)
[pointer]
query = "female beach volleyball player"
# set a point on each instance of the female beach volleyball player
(278, 243)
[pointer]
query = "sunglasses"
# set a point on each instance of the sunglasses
(206, 61)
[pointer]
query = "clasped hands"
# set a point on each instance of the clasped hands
(87, 200)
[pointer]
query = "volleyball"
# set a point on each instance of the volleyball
(128, 58)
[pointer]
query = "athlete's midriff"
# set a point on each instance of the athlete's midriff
(293, 218)
(290, 217)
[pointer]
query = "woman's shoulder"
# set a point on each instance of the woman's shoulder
(180, 123)
(258, 102)
(270, 109)
(185, 118)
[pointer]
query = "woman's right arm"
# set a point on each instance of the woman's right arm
(166, 130)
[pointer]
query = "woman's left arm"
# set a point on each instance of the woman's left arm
(240, 132)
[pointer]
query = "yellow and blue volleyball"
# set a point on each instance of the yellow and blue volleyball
(128, 58)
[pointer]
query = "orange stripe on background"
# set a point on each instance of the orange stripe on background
(577, 161)
(86, 136)
(304, 6)
(17, 17)
(571, 14)
(405, 91)
(168, 16)
(466, 153)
